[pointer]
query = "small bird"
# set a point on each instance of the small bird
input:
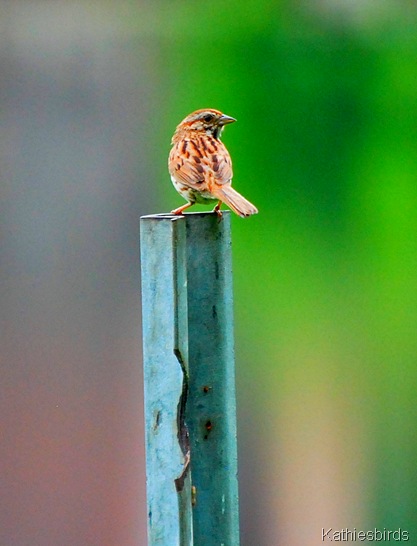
(200, 165)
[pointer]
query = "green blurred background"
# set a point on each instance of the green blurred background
(325, 275)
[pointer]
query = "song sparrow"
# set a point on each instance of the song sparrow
(200, 165)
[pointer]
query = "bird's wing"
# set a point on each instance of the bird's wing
(221, 164)
(195, 163)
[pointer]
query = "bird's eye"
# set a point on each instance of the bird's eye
(208, 117)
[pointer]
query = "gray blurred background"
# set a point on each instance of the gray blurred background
(76, 102)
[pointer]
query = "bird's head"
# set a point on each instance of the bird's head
(206, 120)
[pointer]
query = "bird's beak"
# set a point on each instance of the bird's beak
(224, 120)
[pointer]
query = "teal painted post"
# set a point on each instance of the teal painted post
(164, 308)
(211, 410)
(189, 380)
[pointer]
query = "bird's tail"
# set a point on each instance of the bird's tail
(234, 200)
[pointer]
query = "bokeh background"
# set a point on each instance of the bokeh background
(325, 276)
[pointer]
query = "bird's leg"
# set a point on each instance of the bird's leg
(180, 210)
(217, 209)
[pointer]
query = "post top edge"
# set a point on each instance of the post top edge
(169, 216)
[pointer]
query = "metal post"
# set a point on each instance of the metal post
(190, 408)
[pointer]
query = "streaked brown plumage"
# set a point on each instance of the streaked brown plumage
(200, 165)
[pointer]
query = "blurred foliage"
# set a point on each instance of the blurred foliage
(325, 275)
